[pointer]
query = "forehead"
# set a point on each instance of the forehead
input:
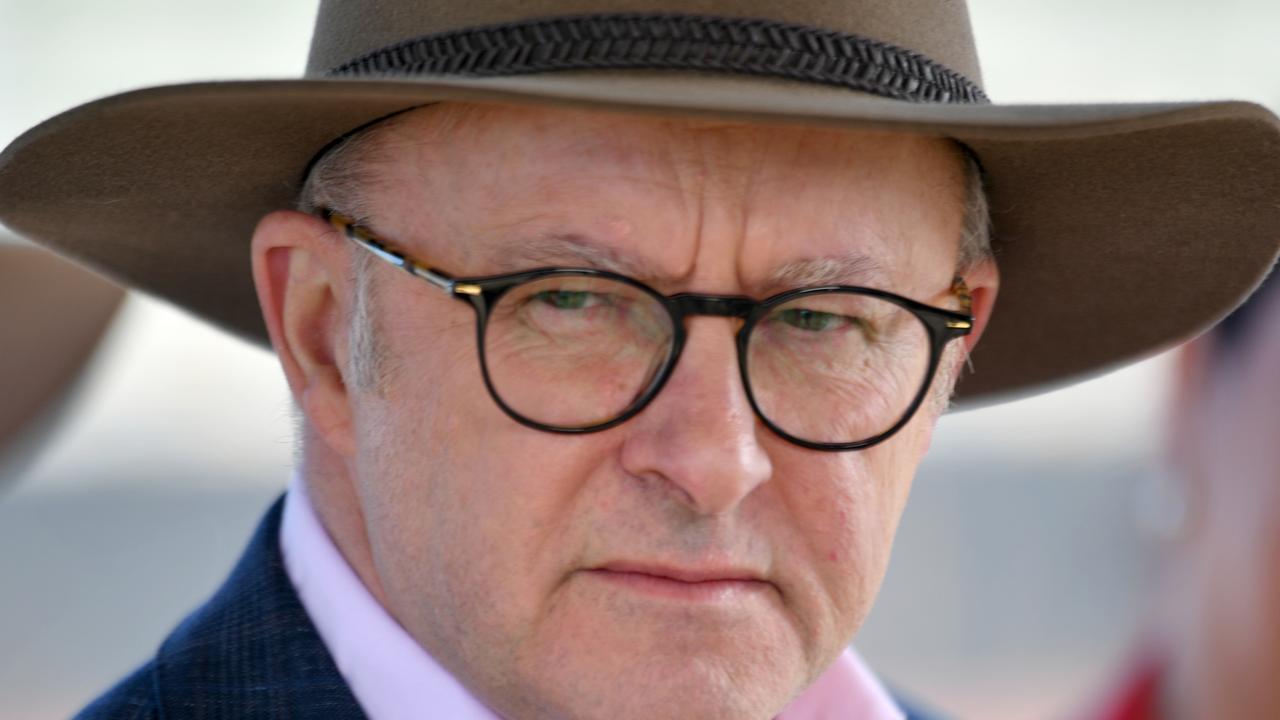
(495, 185)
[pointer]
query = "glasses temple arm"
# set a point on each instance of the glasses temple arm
(375, 245)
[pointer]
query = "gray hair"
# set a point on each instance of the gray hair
(975, 228)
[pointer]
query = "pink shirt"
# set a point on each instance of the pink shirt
(392, 677)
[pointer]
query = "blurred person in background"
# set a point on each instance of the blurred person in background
(1213, 650)
(632, 436)
(52, 317)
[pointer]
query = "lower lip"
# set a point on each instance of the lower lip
(670, 589)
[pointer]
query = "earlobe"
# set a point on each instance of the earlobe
(301, 279)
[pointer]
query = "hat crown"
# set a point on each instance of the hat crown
(937, 29)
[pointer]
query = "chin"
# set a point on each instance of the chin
(669, 688)
(733, 674)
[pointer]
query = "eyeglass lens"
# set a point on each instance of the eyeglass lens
(837, 367)
(578, 351)
(575, 351)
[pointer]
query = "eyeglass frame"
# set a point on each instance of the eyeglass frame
(482, 292)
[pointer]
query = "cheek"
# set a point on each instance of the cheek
(464, 505)
(847, 511)
(870, 503)
(410, 448)
(852, 527)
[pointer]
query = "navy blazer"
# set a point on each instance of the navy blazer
(250, 653)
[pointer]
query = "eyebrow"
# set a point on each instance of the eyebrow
(569, 250)
(844, 269)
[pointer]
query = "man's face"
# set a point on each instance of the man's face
(541, 568)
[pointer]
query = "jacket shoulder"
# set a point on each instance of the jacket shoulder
(133, 698)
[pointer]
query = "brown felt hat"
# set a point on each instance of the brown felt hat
(1119, 229)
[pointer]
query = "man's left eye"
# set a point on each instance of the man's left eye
(813, 320)
(569, 299)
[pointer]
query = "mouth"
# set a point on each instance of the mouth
(685, 584)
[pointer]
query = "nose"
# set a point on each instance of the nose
(700, 435)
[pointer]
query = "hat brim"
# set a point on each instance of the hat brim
(1119, 229)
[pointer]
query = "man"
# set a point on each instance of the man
(632, 435)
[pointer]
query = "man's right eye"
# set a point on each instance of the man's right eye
(569, 299)
(813, 320)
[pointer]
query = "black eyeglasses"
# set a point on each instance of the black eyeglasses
(571, 350)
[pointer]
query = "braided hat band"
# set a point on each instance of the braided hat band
(673, 41)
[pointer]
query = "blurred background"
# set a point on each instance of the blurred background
(1020, 574)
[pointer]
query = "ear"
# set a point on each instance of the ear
(301, 271)
(983, 279)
